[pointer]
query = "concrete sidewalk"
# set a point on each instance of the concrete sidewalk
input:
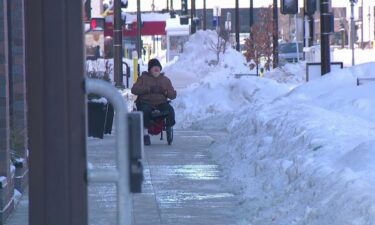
(182, 185)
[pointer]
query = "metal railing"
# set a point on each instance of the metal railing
(120, 175)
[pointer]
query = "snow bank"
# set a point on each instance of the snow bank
(301, 155)
(306, 158)
(291, 73)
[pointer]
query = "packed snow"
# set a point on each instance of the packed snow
(299, 153)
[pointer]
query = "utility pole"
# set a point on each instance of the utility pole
(237, 26)
(275, 34)
(251, 13)
(192, 15)
(352, 29)
(117, 46)
(204, 15)
(325, 31)
(139, 27)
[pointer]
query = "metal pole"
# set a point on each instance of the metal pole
(312, 29)
(121, 174)
(117, 45)
(237, 26)
(251, 13)
(369, 25)
(325, 37)
(306, 31)
(192, 15)
(204, 15)
(352, 31)
(296, 35)
(139, 34)
(167, 6)
(275, 34)
(362, 31)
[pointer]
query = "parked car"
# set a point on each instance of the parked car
(288, 52)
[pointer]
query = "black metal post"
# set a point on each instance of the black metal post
(251, 13)
(275, 34)
(117, 45)
(312, 29)
(237, 25)
(192, 15)
(325, 36)
(139, 27)
(56, 112)
(204, 15)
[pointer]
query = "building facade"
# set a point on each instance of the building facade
(13, 117)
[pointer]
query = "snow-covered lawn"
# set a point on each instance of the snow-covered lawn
(361, 56)
(299, 153)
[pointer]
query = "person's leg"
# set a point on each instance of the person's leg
(170, 120)
(146, 109)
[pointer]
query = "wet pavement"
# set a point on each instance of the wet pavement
(182, 185)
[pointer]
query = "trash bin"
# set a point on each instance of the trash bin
(100, 118)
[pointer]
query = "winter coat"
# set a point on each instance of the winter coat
(142, 88)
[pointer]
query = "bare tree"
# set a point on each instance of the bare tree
(259, 45)
(220, 45)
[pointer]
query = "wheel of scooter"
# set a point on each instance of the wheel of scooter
(169, 135)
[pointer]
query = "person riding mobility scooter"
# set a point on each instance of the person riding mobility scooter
(153, 89)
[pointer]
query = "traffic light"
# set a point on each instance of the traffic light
(310, 7)
(97, 24)
(289, 7)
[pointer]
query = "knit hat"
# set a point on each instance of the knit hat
(154, 62)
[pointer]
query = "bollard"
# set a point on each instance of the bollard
(261, 72)
(135, 66)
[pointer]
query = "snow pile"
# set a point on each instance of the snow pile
(305, 157)
(293, 73)
(212, 83)
(213, 102)
(199, 57)
(299, 155)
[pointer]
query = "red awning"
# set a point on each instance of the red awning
(149, 28)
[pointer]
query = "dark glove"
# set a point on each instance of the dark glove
(157, 90)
